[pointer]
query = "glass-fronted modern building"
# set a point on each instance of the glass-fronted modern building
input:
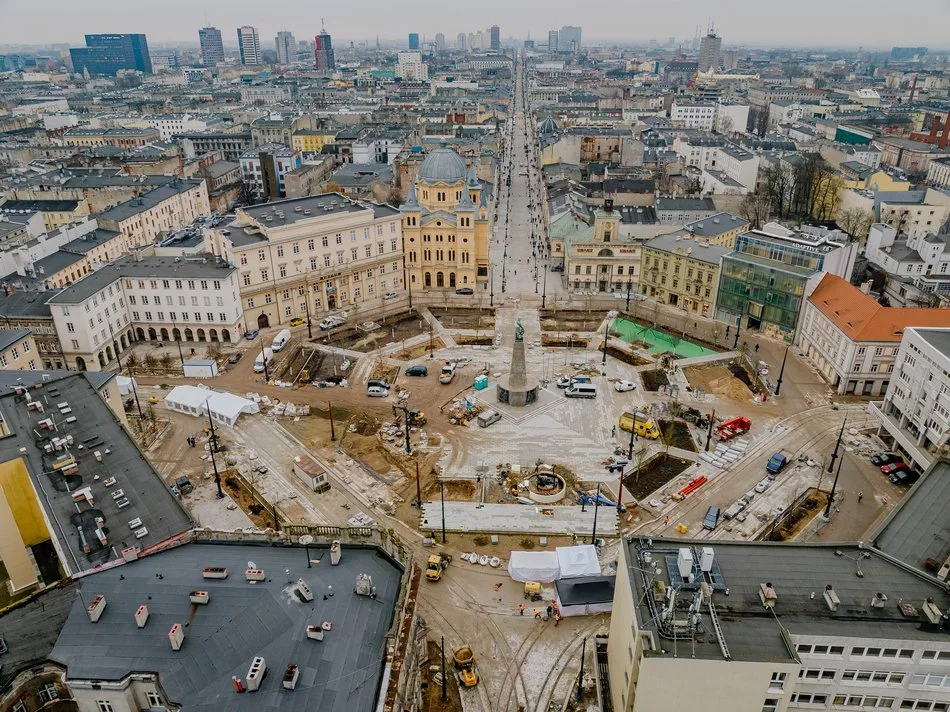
(108, 54)
(764, 281)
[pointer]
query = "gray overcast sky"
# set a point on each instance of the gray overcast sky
(872, 23)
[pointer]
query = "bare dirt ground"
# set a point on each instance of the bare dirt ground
(719, 380)
(654, 474)
(465, 318)
(392, 330)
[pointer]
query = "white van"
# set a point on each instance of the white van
(488, 417)
(331, 322)
(581, 390)
(268, 354)
(280, 340)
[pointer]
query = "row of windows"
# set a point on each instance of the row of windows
(173, 316)
(863, 701)
(325, 241)
(167, 284)
(904, 653)
(880, 676)
(169, 300)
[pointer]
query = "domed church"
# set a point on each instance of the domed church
(446, 226)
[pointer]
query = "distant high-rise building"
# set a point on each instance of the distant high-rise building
(903, 54)
(569, 39)
(730, 59)
(439, 42)
(108, 54)
(552, 41)
(249, 42)
(414, 40)
(495, 32)
(409, 66)
(529, 44)
(286, 47)
(323, 52)
(710, 51)
(212, 48)
(460, 43)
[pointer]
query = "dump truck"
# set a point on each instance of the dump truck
(465, 664)
(435, 565)
(641, 423)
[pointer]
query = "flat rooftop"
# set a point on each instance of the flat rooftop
(342, 673)
(95, 429)
(319, 206)
(919, 528)
(752, 632)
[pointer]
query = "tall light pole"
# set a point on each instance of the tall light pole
(781, 372)
(831, 495)
(118, 359)
(606, 327)
(306, 307)
(181, 356)
(263, 357)
(629, 284)
(834, 454)
(212, 446)
(544, 290)
(593, 534)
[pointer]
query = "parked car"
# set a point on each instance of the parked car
(379, 383)
(624, 386)
(762, 486)
(390, 295)
(299, 321)
(417, 371)
(563, 382)
(904, 477)
(776, 464)
(251, 335)
(884, 458)
(711, 520)
(377, 392)
(235, 357)
(891, 468)
(465, 290)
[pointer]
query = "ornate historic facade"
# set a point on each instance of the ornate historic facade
(446, 226)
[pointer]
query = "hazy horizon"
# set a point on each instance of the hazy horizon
(738, 22)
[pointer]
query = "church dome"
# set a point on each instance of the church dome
(443, 165)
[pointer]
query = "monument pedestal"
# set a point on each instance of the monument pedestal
(515, 388)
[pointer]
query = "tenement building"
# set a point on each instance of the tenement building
(299, 258)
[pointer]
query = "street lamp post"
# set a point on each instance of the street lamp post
(834, 454)
(593, 534)
(442, 497)
(629, 285)
(306, 307)
(264, 358)
(544, 290)
(606, 327)
(781, 372)
(712, 419)
(831, 496)
(181, 356)
(118, 359)
(212, 446)
(735, 344)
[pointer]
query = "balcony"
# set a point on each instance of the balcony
(903, 438)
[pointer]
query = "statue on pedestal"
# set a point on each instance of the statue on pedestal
(519, 331)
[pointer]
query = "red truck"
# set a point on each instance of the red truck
(729, 429)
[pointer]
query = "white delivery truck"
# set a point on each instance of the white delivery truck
(280, 340)
(268, 355)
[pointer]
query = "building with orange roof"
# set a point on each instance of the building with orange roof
(853, 340)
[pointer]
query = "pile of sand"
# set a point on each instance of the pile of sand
(720, 381)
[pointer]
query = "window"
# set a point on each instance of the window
(778, 681)
(20, 706)
(104, 706)
(770, 704)
(48, 693)
(264, 274)
(154, 699)
(70, 327)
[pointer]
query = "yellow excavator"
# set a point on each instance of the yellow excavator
(465, 664)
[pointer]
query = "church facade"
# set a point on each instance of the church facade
(446, 226)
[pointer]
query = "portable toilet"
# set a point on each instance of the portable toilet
(481, 382)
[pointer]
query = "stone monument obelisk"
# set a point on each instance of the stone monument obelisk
(514, 388)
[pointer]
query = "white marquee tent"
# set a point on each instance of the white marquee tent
(576, 561)
(541, 566)
(225, 408)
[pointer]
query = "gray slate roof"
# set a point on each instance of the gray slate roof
(8, 337)
(148, 200)
(342, 673)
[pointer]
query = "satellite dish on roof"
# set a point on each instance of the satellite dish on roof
(251, 565)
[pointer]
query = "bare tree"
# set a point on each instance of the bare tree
(855, 222)
(755, 208)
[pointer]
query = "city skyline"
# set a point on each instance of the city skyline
(739, 22)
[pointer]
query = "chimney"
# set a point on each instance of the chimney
(335, 553)
(254, 574)
(934, 128)
(141, 616)
(199, 597)
(176, 636)
(831, 598)
(96, 608)
(945, 136)
(130, 554)
(255, 674)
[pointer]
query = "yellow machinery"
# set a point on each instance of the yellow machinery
(465, 664)
(642, 423)
(532, 591)
(435, 565)
(304, 376)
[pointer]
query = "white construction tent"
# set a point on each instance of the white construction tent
(577, 561)
(126, 385)
(541, 566)
(225, 408)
